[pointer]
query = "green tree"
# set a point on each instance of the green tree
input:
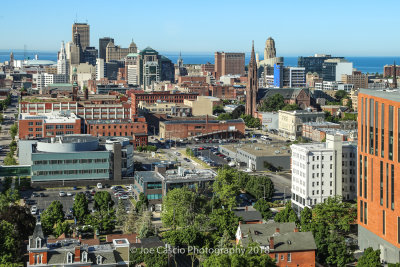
(218, 109)
(371, 258)
(14, 130)
(102, 220)
(287, 214)
(264, 208)
(340, 94)
(142, 204)
(178, 206)
(291, 107)
(237, 112)
(226, 186)
(250, 121)
(224, 116)
(8, 249)
(306, 219)
(224, 220)
(103, 201)
(130, 223)
(273, 103)
(143, 226)
(257, 186)
(52, 215)
(80, 207)
(152, 258)
(120, 213)
(62, 228)
(337, 251)
(9, 160)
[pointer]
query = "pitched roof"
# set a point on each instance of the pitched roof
(249, 216)
(38, 231)
(287, 93)
(131, 237)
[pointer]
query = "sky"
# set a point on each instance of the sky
(299, 27)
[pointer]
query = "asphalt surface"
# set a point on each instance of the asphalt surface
(5, 136)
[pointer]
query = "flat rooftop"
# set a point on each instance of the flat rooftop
(259, 149)
(390, 94)
(54, 117)
(201, 121)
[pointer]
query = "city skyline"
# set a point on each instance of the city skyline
(170, 27)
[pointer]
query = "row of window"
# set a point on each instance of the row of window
(38, 123)
(51, 127)
(322, 192)
(281, 257)
(69, 172)
(154, 196)
(115, 127)
(69, 161)
(322, 166)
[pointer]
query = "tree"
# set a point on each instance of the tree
(224, 116)
(306, 219)
(142, 203)
(224, 220)
(8, 249)
(102, 220)
(258, 186)
(152, 258)
(62, 228)
(349, 103)
(287, 215)
(263, 207)
(14, 130)
(218, 109)
(371, 258)
(178, 206)
(273, 103)
(80, 207)
(237, 112)
(291, 107)
(250, 121)
(226, 186)
(9, 160)
(121, 214)
(340, 94)
(54, 214)
(103, 201)
(144, 226)
(337, 251)
(130, 223)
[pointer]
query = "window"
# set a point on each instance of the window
(84, 256)
(69, 257)
(30, 123)
(59, 126)
(398, 230)
(330, 167)
(289, 257)
(381, 182)
(38, 123)
(387, 185)
(392, 188)
(49, 127)
(365, 212)
(365, 177)
(360, 174)
(383, 222)
(361, 211)
(372, 178)
(30, 129)
(382, 130)
(99, 259)
(277, 257)
(69, 126)
(282, 257)
(371, 125)
(38, 129)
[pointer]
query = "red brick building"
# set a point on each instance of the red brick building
(47, 125)
(151, 98)
(388, 71)
(136, 128)
(191, 79)
(178, 129)
(281, 241)
(226, 92)
(228, 63)
(208, 67)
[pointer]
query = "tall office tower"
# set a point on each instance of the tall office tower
(269, 51)
(132, 68)
(90, 55)
(62, 62)
(314, 63)
(252, 85)
(103, 42)
(334, 68)
(229, 63)
(84, 32)
(378, 172)
(100, 69)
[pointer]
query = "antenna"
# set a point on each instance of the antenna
(24, 51)
(76, 17)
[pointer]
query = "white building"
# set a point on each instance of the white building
(333, 85)
(62, 62)
(44, 79)
(291, 122)
(100, 69)
(334, 68)
(294, 77)
(322, 170)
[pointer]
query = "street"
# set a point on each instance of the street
(8, 115)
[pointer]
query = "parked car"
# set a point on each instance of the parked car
(62, 194)
(99, 186)
(69, 194)
(35, 194)
(124, 197)
(74, 188)
(33, 210)
(42, 195)
(69, 217)
(186, 159)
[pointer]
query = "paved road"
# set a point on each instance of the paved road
(5, 137)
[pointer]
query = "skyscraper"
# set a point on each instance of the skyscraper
(62, 62)
(84, 32)
(269, 51)
(252, 85)
(103, 42)
(229, 63)
(378, 169)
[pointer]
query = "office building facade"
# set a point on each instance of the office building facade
(103, 42)
(83, 29)
(333, 69)
(378, 166)
(229, 63)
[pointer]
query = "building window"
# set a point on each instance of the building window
(398, 230)
(382, 131)
(38, 129)
(59, 126)
(30, 123)
(289, 257)
(365, 212)
(381, 182)
(392, 187)
(360, 175)
(371, 125)
(99, 259)
(38, 123)
(84, 256)
(362, 123)
(365, 177)
(277, 256)
(387, 185)
(69, 257)
(391, 132)
(282, 257)
(361, 211)
(30, 129)
(376, 128)
(383, 222)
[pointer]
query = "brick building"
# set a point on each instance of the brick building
(47, 125)
(302, 97)
(358, 79)
(281, 241)
(388, 71)
(208, 67)
(165, 96)
(215, 129)
(378, 168)
(135, 128)
(229, 63)
(225, 91)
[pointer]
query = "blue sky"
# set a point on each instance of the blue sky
(299, 27)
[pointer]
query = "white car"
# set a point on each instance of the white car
(248, 170)
(99, 186)
(62, 194)
(124, 197)
(33, 210)
(69, 194)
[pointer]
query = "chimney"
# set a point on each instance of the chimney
(206, 119)
(271, 242)
(77, 257)
(277, 230)
(86, 94)
(295, 230)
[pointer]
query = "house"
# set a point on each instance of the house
(281, 241)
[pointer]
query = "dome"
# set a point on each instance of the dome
(132, 44)
(74, 70)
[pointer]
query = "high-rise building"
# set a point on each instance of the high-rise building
(62, 62)
(100, 69)
(115, 52)
(378, 168)
(358, 79)
(333, 69)
(322, 170)
(89, 55)
(314, 63)
(229, 63)
(103, 42)
(293, 77)
(84, 31)
(269, 51)
(252, 85)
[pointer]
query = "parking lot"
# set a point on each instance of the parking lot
(51, 195)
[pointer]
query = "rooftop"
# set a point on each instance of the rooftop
(201, 121)
(54, 117)
(260, 150)
(389, 94)
(72, 138)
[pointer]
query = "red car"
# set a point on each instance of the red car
(201, 148)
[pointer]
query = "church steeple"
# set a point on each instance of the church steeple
(252, 85)
(394, 75)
